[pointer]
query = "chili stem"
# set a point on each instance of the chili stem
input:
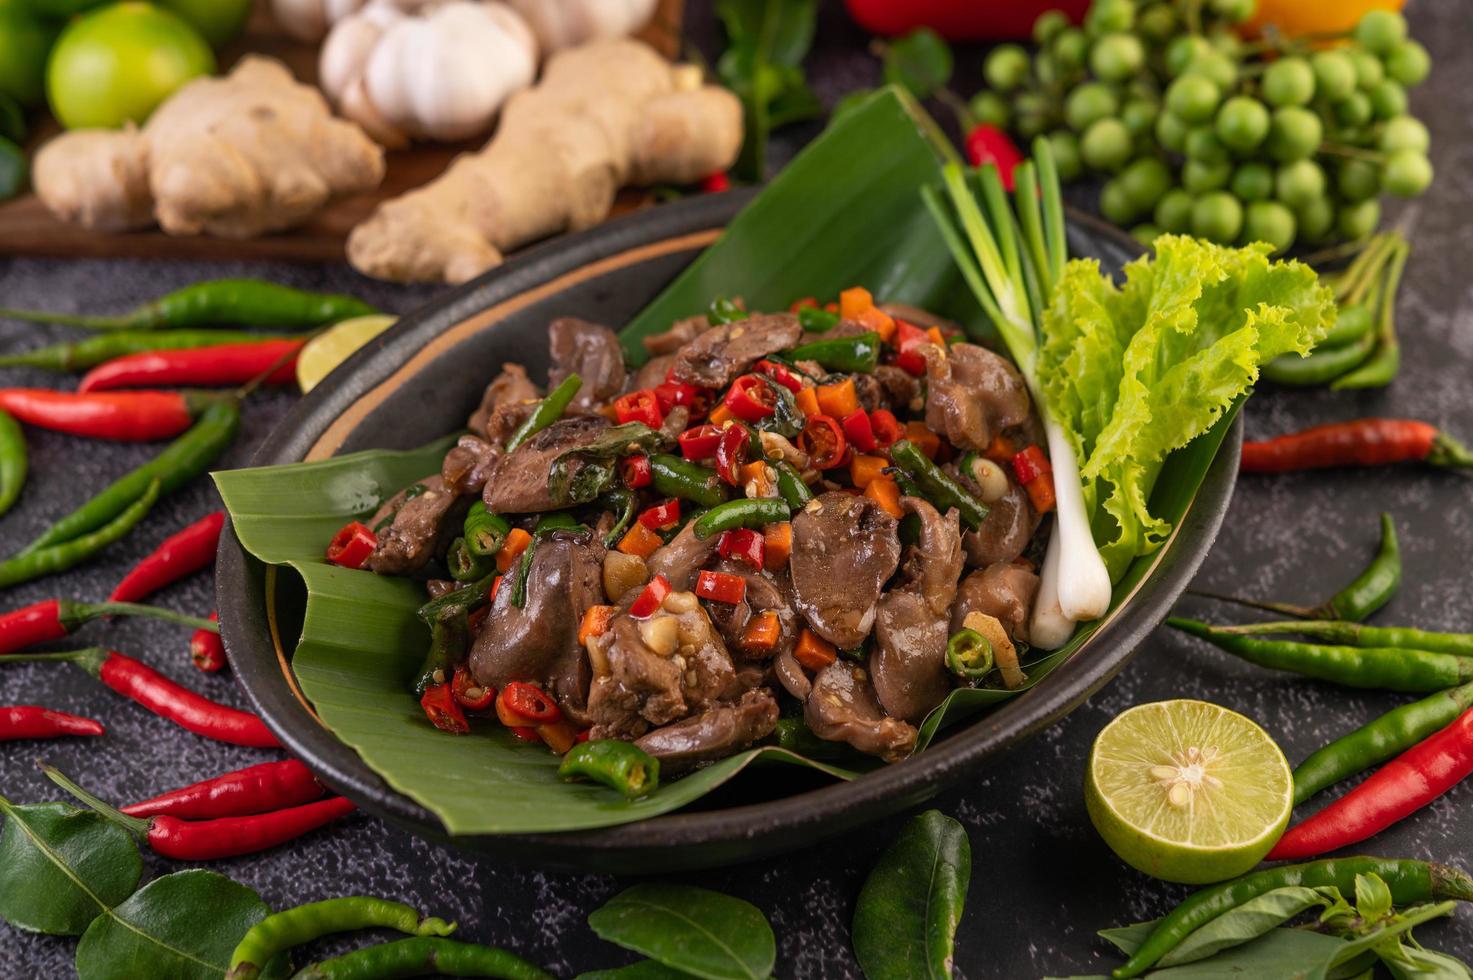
(134, 825)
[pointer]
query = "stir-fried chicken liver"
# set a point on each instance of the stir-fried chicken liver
(842, 707)
(591, 351)
(516, 482)
(714, 733)
(972, 394)
(844, 550)
(422, 521)
(715, 357)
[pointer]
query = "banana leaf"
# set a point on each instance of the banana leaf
(846, 211)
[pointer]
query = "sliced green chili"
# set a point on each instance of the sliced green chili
(464, 565)
(625, 505)
(969, 655)
(484, 531)
(36, 562)
(82, 354)
(757, 512)
(449, 644)
(619, 765)
(936, 486)
(790, 485)
(293, 927)
(672, 476)
(548, 411)
(815, 320)
(13, 461)
(420, 956)
(858, 353)
(723, 310)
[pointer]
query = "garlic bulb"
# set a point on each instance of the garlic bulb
(562, 24)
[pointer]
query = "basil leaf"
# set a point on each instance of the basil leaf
(60, 867)
(643, 970)
(702, 932)
(183, 926)
(1245, 923)
(919, 62)
(1295, 953)
(906, 917)
(1372, 897)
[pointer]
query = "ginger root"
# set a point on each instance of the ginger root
(238, 156)
(610, 113)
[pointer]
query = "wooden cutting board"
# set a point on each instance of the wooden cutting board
(27, 228)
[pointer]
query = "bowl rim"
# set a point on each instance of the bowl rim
(262, 673)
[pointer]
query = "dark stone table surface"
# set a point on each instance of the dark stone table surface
(1043, 882)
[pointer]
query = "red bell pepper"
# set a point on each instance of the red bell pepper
(639, 406)
(731, 453)
(635, 471)
(352, 545)
(651, 598)
(859, 432)
(699, 442)
(750, 399)
(721, 587)
(661, 516)
(744, 545)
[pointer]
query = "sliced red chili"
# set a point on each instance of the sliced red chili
(731, 453)
(495, 587)
(639, 406)
(520, 703)
(859, 432)
(525, 732)
(440, 708)
(582, 736)
(635, 471)
(721, 587)
(822, 439)
(650, 600)
(744, 545)
(352, 545)
(1030, 464)
(469, 693)
(750, 398)
(699, 442)
(670, 393)
(886, 426)
(908, 341)
(661, 516)
(780, 374)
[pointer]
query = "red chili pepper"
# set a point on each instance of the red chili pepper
(223, 364)
(525, 732)
(582, 736)
(721, 587)
(1031, 463)
(181, 554)
(699, 442)
(254, 789)
(908, 340)
(123, 416)
(469, 693)
(495, 588)
(352, 545)
(1395, 791)
(750, 399)
(206, 648)
(522, 704)
(958, 20)
(670, 393)
(1362, 442)
(639, 406)
(166, 698)
(440, 707)
(745, 545)
(731, 453)
(780, 374)
(822, 439)
(988, 144)
(661, 516)
(859, 432)
(886, 427)
(650, 600)
(635, 471)
(32, 721)
(716, 183)
(52, 619)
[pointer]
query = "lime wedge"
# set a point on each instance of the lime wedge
(1188, 791)
(333, 346)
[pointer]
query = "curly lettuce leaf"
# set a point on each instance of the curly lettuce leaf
(1136, 371)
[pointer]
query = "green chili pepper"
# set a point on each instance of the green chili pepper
(790, 485)
(184, 459)
(757, 512)
(672, 476)
(1375, 586)
(1377, 668)
(1359, 635)
(1382, 368)
(815, 320)
(484, 531)
(13, 461)
(249, 302)
(293, 927)
(449, 643)
(464, 599)
(548, 411)
(465, 566)
(858, 353)
(36, 562)
(936, 486)
(969, 655)
(617, 764)
(624, 503)
(1410, 882)
(723, 310)
(1352, 322)
(420, 956)
(545, 526)
(1385, 738)
(1321, 367)
(92, 351)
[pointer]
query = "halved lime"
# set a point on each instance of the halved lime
(333, 346)
(1188, 791)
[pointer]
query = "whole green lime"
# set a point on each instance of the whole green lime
(25, 40)
(116, 64)
(217, 20)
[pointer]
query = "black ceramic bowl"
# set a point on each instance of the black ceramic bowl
(422, 378)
